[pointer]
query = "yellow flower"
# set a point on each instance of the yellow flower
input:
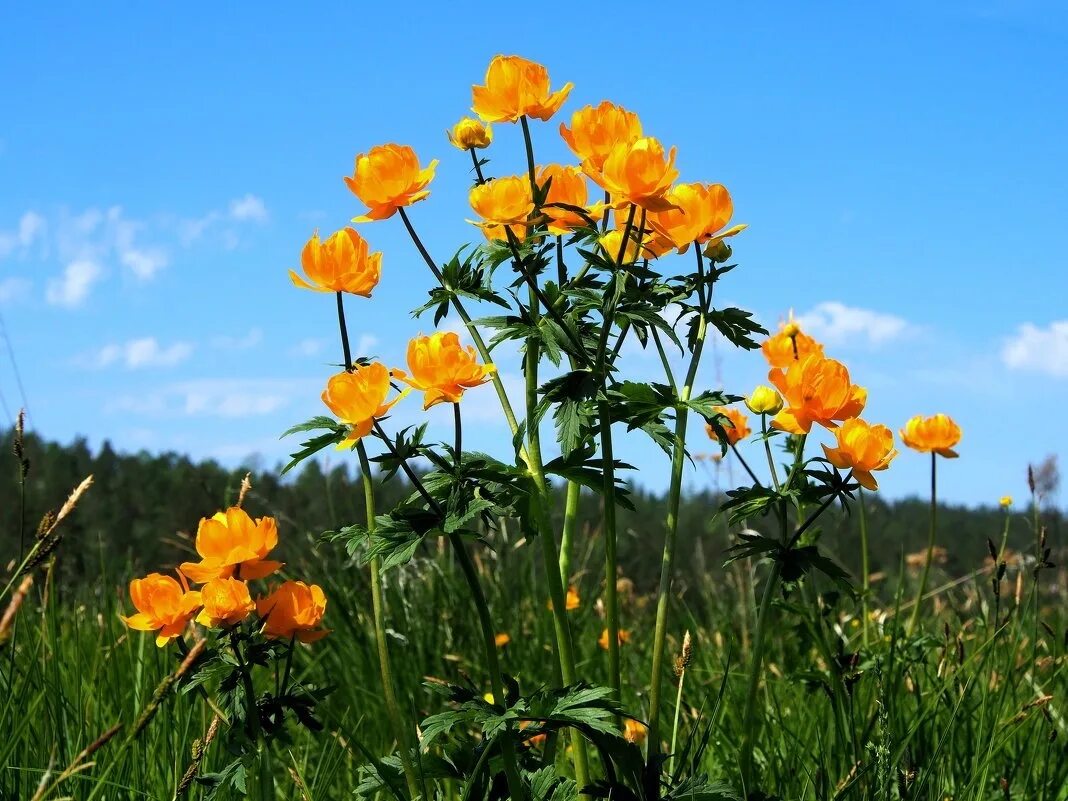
(358, 398)
(623, 637)
(515, 87)
(737, 429)
(503, 202)
(163, 606)
(862, 448)
(388, 177)
(637, 172)
(502, 639)
(468, 134)
(700, 211)
(232, 543)
(789, 345)
(442, 368)
(816, 390)
(595, 130)
(572, 601)
(635, 731)
(938, 434)
(226, 603)
(293, 610)
(342, 263)
(568, 187)
(1006, 501)
(610, 241)
(764, 400)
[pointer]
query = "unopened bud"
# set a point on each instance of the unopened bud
(764, 400)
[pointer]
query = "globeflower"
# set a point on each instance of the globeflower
(816, 390)
(358, 397)
(623, 636)
(514, 88)
(736, 431)
(612, 240)
(231, 543)
(634, 731)
(595, 130)
(1005, 502)
(503, 203)
(226, 603)
(388, 177)
(937, 434)
(571, 601)
(764, 400)
(568, 186)
(442, 369)
(862, 448)
(637, 172)
(469, 134)
(342, 263)
(700, 210)
(295, 609)
(163, 606)
(789, 345)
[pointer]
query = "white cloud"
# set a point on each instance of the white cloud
(1043, 350)
(250, 207)
(31, 228)
(12, 289)
(72, 287)
(837, 324)
(143, 352)
(214, 398)
(307, 347)
(250, 340)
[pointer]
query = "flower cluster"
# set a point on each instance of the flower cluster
(233, 549)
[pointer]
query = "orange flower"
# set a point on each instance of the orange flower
(342, 263)
(637, 172)
(568, 187)
(789, 345)
(736, 431)
(468, 134)
(502, 639)
(937, 434)
(862, 448)
(358, 397)
(503, 202)
(700, 211)
(610, 241)
(635, 731)
(571, 602)
(623, 637)
(293, 610)
(387, 178)
(163, 605)
(231, 543)
(442, 368)
(516, 87)
(596, 130)
(816, 390)
(226, 603)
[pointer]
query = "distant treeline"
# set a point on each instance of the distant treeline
(143, 509)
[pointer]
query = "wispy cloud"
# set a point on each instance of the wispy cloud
(213, 398)
(249, 207)
(71, 288)
(837, 324)
(31, 227)
(1041, 350)
(140, 353)
(245, 342)
(307, 347)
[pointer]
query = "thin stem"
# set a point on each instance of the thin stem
(865, 567)
(478, 167)
(378, 606)
(571, 509)
(252, 715)
(530, 152)
(675, 723)
(344, 331)
(767, 451)
(749, 716)
(668, 373)
(914, 618)
(458, 426)
(611, 558)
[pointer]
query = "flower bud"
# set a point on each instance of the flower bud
(718, 251)
(764, 400)
(468, 134)
(1005, 502)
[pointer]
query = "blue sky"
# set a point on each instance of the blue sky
(902, 172)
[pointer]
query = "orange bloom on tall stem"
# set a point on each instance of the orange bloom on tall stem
(358, 398)
(163, 606)
(862, 448)
(388, 177)
(295, 609)
(226, 603)
(937, 434)
(341, 263)
(816, 390)
(514, 88)
(568, 186)
(231, 543)
(700, 211)
(503, 203)
(572, 601)
(441, 368)
(789, 345)
(637, 172)
(595, 130)
(738, 428)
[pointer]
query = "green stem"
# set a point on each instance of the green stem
(252, 721)
(749, 718)
(675, 724)
(571, 509)
(767, 452)
(344, 331)
(611, 558)
(378, 607)
(865, 567)
(915, 617)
